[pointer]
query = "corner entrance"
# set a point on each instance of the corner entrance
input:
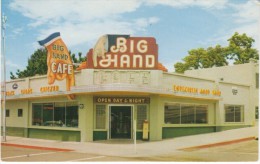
(120, 122)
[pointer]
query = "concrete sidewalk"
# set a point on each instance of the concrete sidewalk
(126, 148)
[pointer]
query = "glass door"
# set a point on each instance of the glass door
(120, 122)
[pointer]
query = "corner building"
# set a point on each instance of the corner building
(109, 101)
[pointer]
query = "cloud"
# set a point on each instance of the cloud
(12, 64)
(82, 21)
(49, 11)
(209, 4)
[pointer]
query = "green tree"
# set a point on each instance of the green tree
(37, 64)
(202, 58)
(239, 49)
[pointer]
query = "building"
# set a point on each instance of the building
(123, 88)
(240, 74)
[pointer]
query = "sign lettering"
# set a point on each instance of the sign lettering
(178, 88)
(122, 100)
(124, 52)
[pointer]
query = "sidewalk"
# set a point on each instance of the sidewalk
(126, 148)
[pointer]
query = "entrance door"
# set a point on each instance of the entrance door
(120, 122)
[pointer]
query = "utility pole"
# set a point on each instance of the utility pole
(4, 19)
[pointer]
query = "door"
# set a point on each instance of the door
(120, 122)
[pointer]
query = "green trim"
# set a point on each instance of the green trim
(60, 135)
(223, 128)
(102, 135)
(99, 135)
(172, 132)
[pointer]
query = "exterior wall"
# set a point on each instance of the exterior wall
(239, 74)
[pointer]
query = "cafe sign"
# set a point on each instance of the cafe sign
(123, 52)
(60, 65)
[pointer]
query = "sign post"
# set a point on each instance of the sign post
(4, 19)
(135, 135)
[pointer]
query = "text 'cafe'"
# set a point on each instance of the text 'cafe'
(120, 88)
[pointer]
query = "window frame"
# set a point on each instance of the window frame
(53, 123)
(194, 105)
(105, 122)
(20, 112)
(242, 113)
(7, 112)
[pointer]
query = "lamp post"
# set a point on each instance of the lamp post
(4, 19)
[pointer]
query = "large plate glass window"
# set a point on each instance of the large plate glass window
(63, 114)
(185, 114)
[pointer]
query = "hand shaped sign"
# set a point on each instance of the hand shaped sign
(60, 65)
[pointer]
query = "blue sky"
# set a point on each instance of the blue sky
(177, 25)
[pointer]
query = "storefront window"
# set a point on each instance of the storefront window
(234, 113)
(100, 116)
(141, 116)
(172, 114)
(59, 113)
(55, 114)
(201, 114)
(48, 114)
(37, 114)
(185, 114)
(72, 114)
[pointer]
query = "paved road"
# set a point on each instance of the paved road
(244, 151)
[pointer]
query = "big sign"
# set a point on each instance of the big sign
(124, 52)
(60, 65)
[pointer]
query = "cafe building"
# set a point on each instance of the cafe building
(122, 92)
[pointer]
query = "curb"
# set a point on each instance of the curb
(217, 144)
(36, 147)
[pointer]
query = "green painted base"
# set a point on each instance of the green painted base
(61, 135)
(102, 135)
(15, 131)
(99, 135)
(172, 132)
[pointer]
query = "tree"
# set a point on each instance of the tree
(202, 58)
(37, 64)
(239, 49)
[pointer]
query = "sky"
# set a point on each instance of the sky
(177, 25)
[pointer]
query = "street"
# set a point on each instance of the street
(244, 151)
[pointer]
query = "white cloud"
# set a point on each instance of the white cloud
(12, 64)
(75, 19)
(216, 4)
(49, 11)
(84, 21)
